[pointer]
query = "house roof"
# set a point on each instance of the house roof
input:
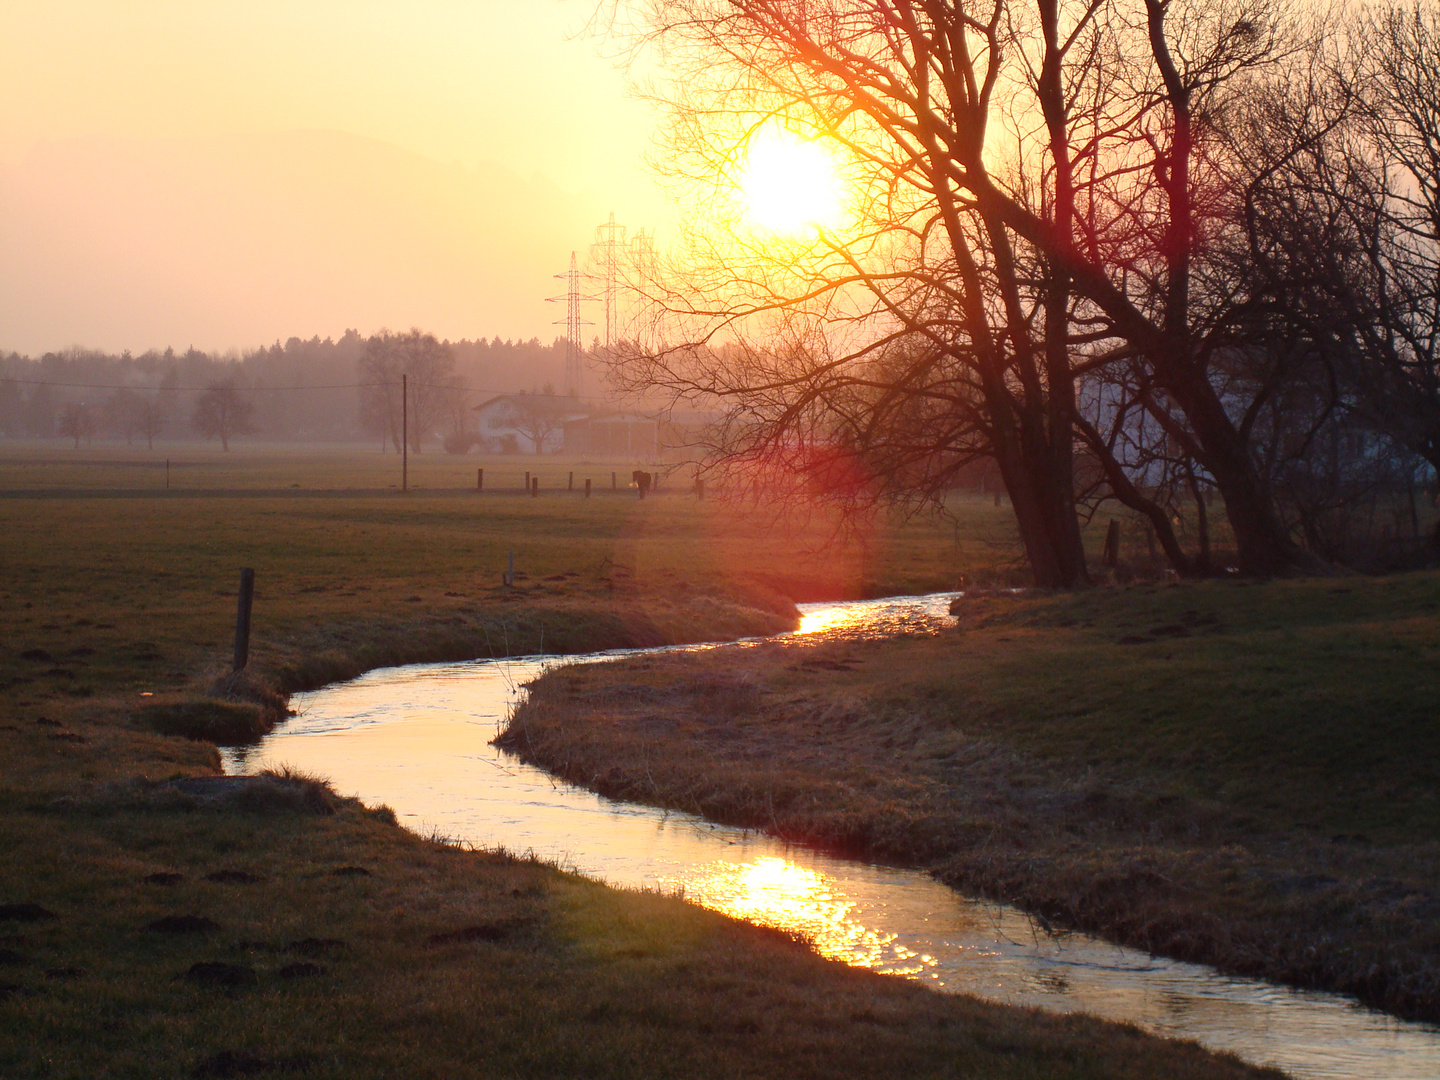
(556, 402)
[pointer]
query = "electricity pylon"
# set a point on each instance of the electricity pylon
(573, 298)
(645, 265)
(608, 251)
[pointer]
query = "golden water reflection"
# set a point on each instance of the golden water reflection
(774, 892)
(826, 618)
(879, 618)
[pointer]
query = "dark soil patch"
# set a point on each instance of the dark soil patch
(315, 948)
(244, 1063)
(350, 871)
(25, 912)
(208, 973)
(481, 932)
(302, 970)
(11, 990)
(233, 877)
(183, 924)
(11, 958)
(163, 877)
(39, 656)
(66, 973)
(45, 721)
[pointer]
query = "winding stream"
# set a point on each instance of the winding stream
(418, 739)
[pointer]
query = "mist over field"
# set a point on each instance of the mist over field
(236, 240)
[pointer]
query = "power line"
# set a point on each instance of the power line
(277, 389)
(184, 389)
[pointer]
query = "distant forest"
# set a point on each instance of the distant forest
(301, 390)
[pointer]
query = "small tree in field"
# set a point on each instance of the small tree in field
(78, 422)
(150, 420)
(221, 413)
(538, 416)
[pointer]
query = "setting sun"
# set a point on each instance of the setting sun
(789, 183)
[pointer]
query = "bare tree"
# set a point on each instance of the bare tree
(538, 416)
(221, 412)
(428, 365)
(78, 422)
(1038, 188)
(149, 419)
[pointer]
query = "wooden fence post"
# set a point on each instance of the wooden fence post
(1111, 557)
(587, 487)
(242, 618)
(479, 479)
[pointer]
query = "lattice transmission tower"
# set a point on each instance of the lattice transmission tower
(645, 265)
(572, 297)
(608, 253)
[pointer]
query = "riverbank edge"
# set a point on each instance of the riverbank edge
(240, 707)
(553, 730)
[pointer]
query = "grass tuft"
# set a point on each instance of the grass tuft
(225, 723)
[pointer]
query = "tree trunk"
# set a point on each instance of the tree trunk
(1044, 512)
(1263, 544)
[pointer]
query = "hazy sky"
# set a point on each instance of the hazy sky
(225, 172)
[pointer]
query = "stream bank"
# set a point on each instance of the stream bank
(934, 751)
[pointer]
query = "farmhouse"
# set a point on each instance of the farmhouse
(526, 423)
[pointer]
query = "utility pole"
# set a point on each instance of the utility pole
(405, 432)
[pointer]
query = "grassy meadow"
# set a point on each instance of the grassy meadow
(155, 922)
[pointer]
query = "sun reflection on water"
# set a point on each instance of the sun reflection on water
(881, 618)
(825, 619)
(774, 892)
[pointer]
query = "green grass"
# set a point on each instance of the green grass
(128, 594)
(1312, 705)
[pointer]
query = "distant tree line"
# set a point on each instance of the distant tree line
(324, 390)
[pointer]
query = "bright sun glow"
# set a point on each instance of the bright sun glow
(789, 184)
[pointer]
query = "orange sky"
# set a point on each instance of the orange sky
(225, 172)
